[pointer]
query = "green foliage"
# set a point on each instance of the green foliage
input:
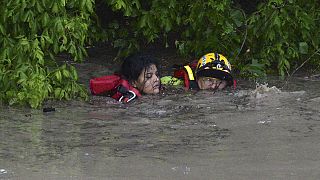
(281, 34)
(144, 22)
(202, 25)
(278, 37)
(31, 34)
(64, 80)
(211, 26)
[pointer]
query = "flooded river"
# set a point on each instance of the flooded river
(254, 132)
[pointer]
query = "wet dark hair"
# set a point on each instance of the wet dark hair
(133, 65)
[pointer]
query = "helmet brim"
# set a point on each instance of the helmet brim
(219, 74)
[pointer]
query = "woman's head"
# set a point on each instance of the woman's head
(142, 72)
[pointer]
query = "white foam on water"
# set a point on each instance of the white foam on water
(262, 90)
(3, 171)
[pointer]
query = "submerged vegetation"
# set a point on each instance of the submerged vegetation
(273, 36)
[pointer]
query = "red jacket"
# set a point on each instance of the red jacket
(115, 87)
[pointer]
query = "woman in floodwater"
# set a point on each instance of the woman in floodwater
(142, 72)
(139, 74)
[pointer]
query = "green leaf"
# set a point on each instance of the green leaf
(45, 19)
(143, 20)
(2, 29)
(277, 21)
(271, 35)
(55, 8)
(89, 6)
(119, 4)
(48, 39)
(32, 3)
(24, 42)
(57, 93)
(65, 73)
(58, 76)
(237, 17)
(39, 55)
(39, 7)
(63, 2)
(82, 4)
(74, 73)
(286, 63)
(61, 95)
(303, 47)
(42, 42)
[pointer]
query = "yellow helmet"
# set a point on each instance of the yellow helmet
(214, 65)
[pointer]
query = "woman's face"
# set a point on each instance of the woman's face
(211, 83)
(148, 81)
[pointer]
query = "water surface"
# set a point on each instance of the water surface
(261, 132)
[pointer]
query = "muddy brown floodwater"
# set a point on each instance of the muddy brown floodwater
(254, 132)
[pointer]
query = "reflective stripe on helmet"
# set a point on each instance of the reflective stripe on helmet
(217, 56)
(190, 73)
(204, 60)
